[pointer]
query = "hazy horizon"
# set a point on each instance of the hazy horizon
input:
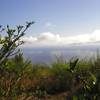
(49, 54)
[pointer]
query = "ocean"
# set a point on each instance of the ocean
(46, 54)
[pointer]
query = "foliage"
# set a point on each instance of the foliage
(11, 41)
(8, 47)
(21, 80)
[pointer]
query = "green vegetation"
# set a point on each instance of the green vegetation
(61, 80)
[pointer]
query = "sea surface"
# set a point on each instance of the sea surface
(46, 54)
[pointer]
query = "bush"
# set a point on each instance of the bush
(19, 78)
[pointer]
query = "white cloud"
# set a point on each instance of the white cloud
(49, 25)
(29, 39)
(47, 36)
(51, 39)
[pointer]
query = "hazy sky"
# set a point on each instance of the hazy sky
(63, 17)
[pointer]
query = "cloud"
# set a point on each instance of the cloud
(48, 36)
(51, 39)
(49, 25)
(29, 39)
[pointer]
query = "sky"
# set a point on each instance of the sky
(57, 21)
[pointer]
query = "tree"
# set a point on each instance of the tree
(10, 42)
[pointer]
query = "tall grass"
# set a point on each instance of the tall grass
(22, 79)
